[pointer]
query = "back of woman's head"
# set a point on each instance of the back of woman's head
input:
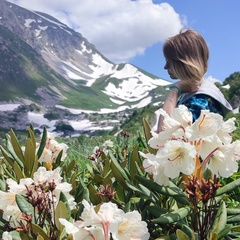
(187, 53)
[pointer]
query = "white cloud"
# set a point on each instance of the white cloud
(212, 79)
(120, 29)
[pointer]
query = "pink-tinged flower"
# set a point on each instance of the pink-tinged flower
(42, 175)
(159, 139)
(170, 124)
(107, 220)
(222, 161)
(182, 115)
(56, 148)
(209, 146)
(178, 157)
(205, 127)
(152, 166)
(52, 149)
(19, 188)
(102, 218)
(46, 156)
(80, 232)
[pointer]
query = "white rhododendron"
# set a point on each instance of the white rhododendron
(182, 141)
(41, 177)
(52, 149)
(107, 221)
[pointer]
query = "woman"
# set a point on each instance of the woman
(187, 60)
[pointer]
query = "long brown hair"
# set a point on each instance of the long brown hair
(187, 53)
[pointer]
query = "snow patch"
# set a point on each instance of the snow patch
(8, 107)
(28, 22)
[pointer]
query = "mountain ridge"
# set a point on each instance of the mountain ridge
(62, 68)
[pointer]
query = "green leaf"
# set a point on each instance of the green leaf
(63, 199)
(61, 212)
(222, 233)
(148, 135)
(30, 157)
(220, 219)
(236, 228)
(58, 159)
(18, 172)
(118, 171)
(173, 192)
(16, 145)
(23, 204)
(39, 231)
(12, 152)
(70, 166)
(228, 188)
(181, 235)
(187, 230)
(156, 211)
(174, 216)
(7, 156)
(32, 136)
(42, 143)
(73, 183)
(233, 211)
(134, 161)
(233, 219)
(94, 198)
(107, 168)
(39, 237)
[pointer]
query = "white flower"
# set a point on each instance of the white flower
(102, 218)
(207, 147)
(20, 188)
(224, 132)
(65, 188)
(129, 226)
(80, 232)
(56, 148)
(7, 236)
(178, 157)
(169, 124)
(108, 144)
(42, 175)
(159, 139)
(52, 149)
(46, 156)
(221, 162)
(101, 222)
(205, 127)
(182, 115)
(152, 166)
(96, 150)
(9, 206)
(235, 150)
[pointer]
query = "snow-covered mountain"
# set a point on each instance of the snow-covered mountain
(64, 69)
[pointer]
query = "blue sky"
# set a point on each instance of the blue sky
(219, 23)
(134, 30)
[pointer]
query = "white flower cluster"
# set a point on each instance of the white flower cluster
(8, 203)
(52, 149)
(182, 141)
(107, 221)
